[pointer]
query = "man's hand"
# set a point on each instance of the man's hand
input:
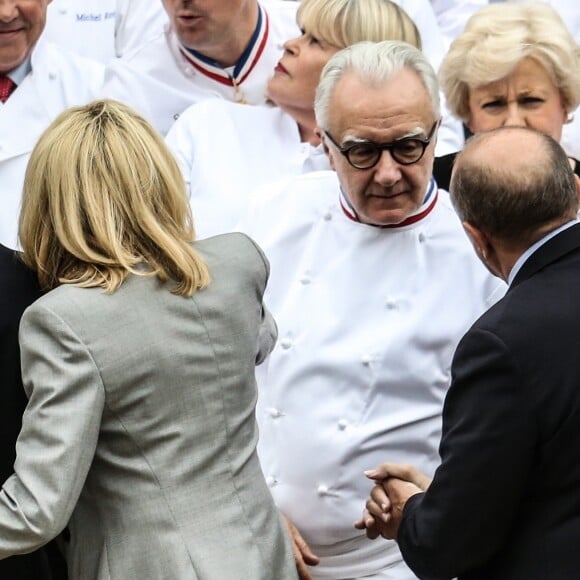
(302, 553)
(396, 483)
(399, 471)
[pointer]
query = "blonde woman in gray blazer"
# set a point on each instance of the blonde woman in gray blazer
(140, 434)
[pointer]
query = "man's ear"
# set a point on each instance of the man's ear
(322, 138)
(577, 182)
(478, 239)
(486, 249)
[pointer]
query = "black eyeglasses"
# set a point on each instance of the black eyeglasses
(366, 154)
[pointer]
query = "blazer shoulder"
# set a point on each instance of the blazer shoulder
(233, 247)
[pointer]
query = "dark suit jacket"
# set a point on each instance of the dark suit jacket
(18, 289)
(505, 502)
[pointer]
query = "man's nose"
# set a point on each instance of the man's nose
(387, 170)
(8, 10)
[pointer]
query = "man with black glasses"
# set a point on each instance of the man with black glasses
(373, 282)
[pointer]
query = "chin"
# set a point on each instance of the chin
(382, 219)
(388, 217)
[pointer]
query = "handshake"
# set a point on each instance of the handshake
(395, 483)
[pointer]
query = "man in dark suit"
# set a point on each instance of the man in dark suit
(505, 501)
(18, 289)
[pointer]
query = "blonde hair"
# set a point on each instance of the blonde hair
(103, 197)
(342, 23)
(495, 41)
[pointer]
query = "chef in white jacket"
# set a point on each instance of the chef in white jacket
(373, 282)
(226, 49)
(259, 145)
(262, 144)
(103, 29)
(45, 81)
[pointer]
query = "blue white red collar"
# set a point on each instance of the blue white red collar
(236, 75)
(426, 207)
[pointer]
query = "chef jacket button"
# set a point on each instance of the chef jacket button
(366, 360)
(189, 72)
(62, 10)
(271, 481)
(342, 424)
(286, 343)
(274, 412)
(305, 280)
(327, 216)
(391, 303)
(52, 76)
(421, 237)
(176, 116)
(322, 490)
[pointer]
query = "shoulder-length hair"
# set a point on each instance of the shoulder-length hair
(103, 198)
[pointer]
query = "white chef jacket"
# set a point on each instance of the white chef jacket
(226, 151)
(103, 29)
(368, 321)
(57, 81)
(160, 83)
(452, 16)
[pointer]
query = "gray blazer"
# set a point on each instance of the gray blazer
(140, 429)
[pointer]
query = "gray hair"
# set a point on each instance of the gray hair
(374, 63)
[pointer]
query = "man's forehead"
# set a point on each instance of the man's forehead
(381, 119)
(400, 95)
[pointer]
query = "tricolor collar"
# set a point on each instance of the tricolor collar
(236, 75)
(426, 207)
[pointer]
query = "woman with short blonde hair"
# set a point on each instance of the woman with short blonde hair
(496, 40)
(140, 431)
(514, 64)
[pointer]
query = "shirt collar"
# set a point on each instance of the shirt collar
(20, 72)
(522, 259)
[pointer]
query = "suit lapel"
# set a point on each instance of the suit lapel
(554, 249)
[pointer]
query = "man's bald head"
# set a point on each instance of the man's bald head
(513, 183)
